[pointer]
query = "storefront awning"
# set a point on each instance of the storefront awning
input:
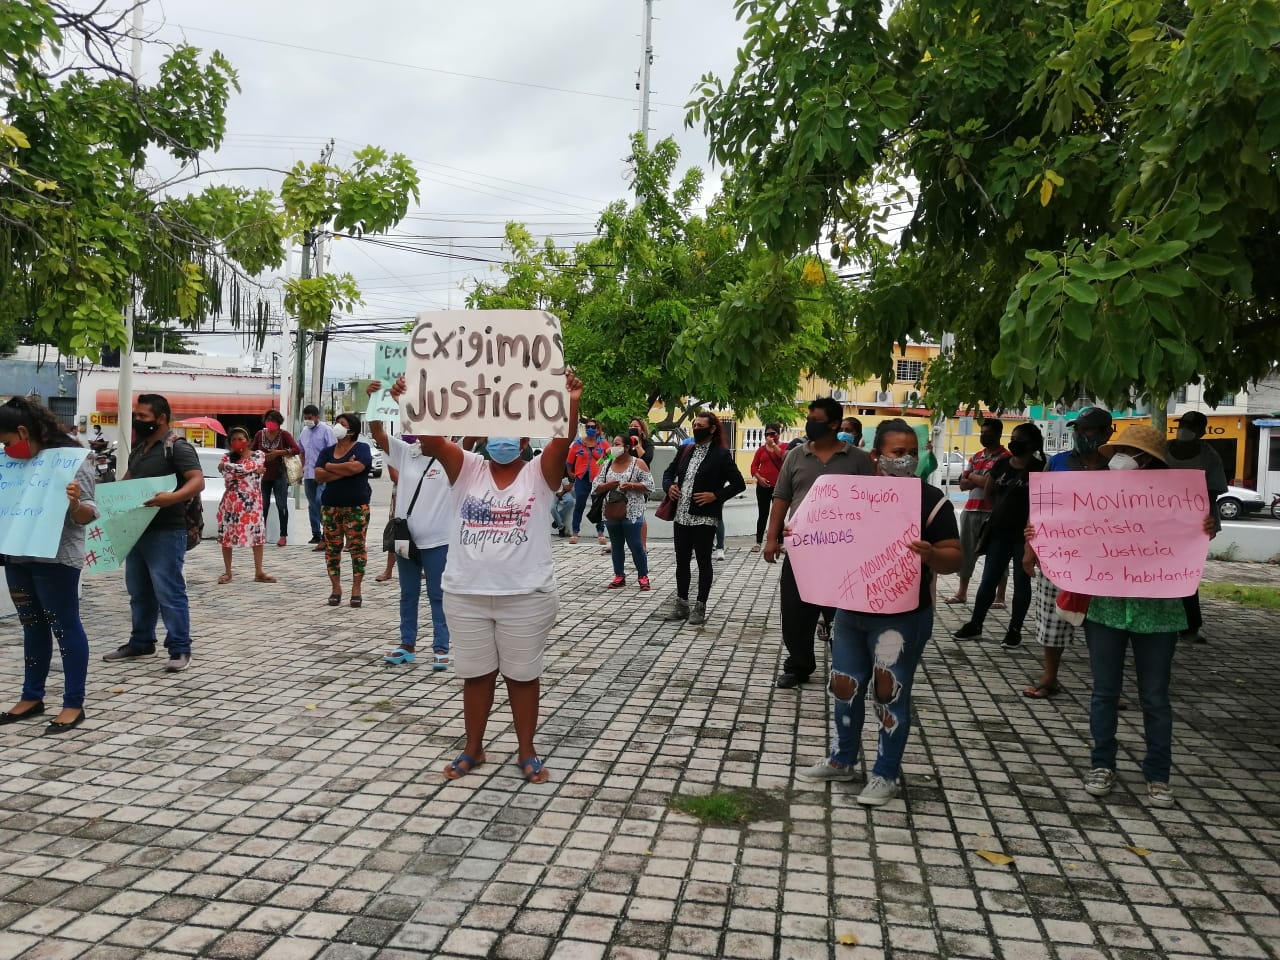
(186, 405)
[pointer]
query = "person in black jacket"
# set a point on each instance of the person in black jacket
(701, 477)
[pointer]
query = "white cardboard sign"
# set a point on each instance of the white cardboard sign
(486, 373)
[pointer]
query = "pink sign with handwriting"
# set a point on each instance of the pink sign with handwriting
(1121, 533)
(850, 544)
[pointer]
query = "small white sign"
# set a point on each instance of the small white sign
(486, 373)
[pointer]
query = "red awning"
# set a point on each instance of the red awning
(186, 405)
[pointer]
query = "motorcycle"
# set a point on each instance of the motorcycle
(104, 461)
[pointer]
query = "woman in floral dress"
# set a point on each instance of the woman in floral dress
(240, 519)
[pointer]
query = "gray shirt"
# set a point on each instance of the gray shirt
(802, 467)
(1206, 459)
(71, 545)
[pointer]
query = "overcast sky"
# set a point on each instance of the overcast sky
(411, 77)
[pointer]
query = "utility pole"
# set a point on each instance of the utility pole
(321, 337)
(124, 385)
(646, 64)
(309, 238)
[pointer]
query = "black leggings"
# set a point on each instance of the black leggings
(693, 540)
(764, 502)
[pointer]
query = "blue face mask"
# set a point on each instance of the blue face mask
(503, 449)
(847, 437)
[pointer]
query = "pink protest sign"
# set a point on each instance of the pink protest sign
(850, 544)
(1123, 533)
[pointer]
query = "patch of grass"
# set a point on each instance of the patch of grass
(730, 807)
(1245, 594)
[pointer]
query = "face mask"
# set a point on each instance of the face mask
(991, 440)
(239, 446)
(272, 427)
(1085, 444)
(815, 430)
(1019, 448)
(1186, 435)
(1122, 461)
(591, 431)
(19, 450)
(899, 466)
(847, 437)
(633, 432)
(701, 434)
(617, 451)
(503, 449)
(144, 428)
(339, 431)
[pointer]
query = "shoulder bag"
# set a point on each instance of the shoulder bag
(615, 501)
(405, 547)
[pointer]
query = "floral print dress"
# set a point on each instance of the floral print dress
(240, 520)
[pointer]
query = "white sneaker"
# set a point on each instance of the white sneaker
(1159, 794)
(829, 770)
(1099, 781)
(878, 792)
(718, 555)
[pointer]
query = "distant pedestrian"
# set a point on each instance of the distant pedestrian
(1188, 451)
(625, 483)
(242, 522)
(586, 455)
(879, 653)
(276, 443)
(700, 479)
(46, 590)
(765, 465)
(344, 469)
(977, 509)
(315, 437)
(640, 446)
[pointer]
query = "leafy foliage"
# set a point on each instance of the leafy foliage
(81, 233)
(644, 303)
(1090, 188)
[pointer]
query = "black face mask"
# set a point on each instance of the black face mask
(991, 439)
(816, 429)
(1019, 448)
(633, 433)
(144, 428)
(701, 434)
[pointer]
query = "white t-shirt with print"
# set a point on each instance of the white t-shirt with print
(500, 544)
(431, 523)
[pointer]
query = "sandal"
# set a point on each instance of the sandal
(263, 578)
(955, 600)
(1042, 691)
(997, 605)
(533, 770)
(357, 601)
(335, 599)
(382, 578)
(225, 578)
(440, 661)
(461, 765)
(400, 656)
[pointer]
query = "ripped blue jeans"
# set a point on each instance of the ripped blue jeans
(882, 651)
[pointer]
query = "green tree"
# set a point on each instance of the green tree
(1087, 191)
(81, 233)
(643, 303)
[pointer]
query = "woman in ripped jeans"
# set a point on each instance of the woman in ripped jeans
(883, 650)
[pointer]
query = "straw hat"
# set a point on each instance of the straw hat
(1139, 437)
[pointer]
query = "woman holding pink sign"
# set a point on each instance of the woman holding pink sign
(882, 651)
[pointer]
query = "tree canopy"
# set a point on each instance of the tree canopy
(82, 231)
(671, 305)
(1086, 190)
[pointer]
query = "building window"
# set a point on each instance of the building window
(910, 371)
(1228, 400)
(1182, 395)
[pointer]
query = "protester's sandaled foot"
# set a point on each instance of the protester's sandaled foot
(462, 764)
(533, 770)
(955, 600)
(335, 599)
(263, 578)
(225, 578)
(997, 605)
(382, 578)
(1042, 691)
(398, 657)
(357, 601)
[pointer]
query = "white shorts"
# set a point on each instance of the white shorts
(507, 634)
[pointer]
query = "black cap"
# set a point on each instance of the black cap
(1194, 420)
(1093, 418)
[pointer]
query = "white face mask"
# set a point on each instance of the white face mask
(1122, 461)
(339, 431)
(617, 451)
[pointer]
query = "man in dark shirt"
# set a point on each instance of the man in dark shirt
(822, 453)
(153, 568)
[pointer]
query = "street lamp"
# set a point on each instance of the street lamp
(275, 358)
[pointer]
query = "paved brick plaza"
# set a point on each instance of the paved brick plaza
(282, 799)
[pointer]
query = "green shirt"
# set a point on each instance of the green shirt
(1138, 614)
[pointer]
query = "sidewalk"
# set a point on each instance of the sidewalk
(283, 799)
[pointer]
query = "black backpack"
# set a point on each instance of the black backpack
(194, 509)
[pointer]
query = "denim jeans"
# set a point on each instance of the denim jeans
(1000, 551)
(562, 512)
(431, 561)
(313, 489)
(1153, 665)
(153, 577)
(582, 500)
(720, 533)
(280, 487)
(627, 532)
(878, 651)
(46, 597)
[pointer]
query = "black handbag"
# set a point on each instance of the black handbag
(400, 525)
(595, 512)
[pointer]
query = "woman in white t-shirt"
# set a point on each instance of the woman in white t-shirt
(499, 585)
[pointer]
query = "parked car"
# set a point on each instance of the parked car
(1237, 501)
(950, 466)
(377, 460)
(211, 498)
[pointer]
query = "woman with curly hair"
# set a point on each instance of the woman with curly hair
(46, 590)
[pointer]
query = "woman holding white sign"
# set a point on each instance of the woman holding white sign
(499, 584)
(882, 651)
(46, 590)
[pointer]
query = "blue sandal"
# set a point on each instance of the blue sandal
(440, 661)
(461, 765)
(531, 768)
(400, 656)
